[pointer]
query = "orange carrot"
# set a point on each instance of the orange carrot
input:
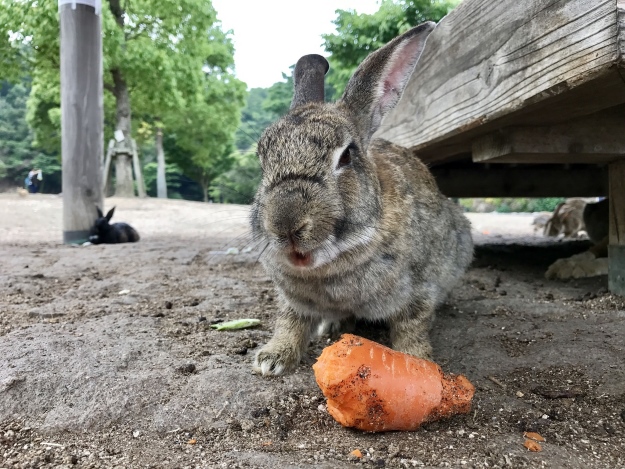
(373, 388)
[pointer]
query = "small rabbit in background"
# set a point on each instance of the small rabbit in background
(567, 219)
(594, 261)
(355, 227)
(105, 233)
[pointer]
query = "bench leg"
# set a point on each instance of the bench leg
(616, 249)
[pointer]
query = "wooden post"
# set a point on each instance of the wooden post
(161, 181)
(82, 116)
(616, 249)
(137, 167)
(106, 177)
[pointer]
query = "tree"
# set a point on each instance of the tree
(357, 35)
(202, 133)
(17, 153)
(254, 119)
(156, 55)
(239, 184)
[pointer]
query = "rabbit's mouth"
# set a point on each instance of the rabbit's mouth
(300, 259)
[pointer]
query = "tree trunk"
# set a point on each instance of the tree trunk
(123, 170)
(205, 190)
(136, 163)
(124, 185)
(161, 182)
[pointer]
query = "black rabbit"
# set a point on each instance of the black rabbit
(105, 233)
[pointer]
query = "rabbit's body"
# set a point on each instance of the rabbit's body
(355, 228)
(104, 232)
(567, 219)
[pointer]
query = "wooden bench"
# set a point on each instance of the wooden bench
(524, 99)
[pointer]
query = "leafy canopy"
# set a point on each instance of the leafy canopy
(357, 35)
(174, 57)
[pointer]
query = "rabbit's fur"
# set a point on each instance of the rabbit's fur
(104, 232)
(354, 227)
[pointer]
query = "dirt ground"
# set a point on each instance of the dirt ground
(107, 358)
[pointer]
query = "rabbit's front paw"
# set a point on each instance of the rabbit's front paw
(416, 349)
(276, 358)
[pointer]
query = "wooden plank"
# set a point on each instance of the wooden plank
(616, 249)
(616, 269)
(489, 59)
(580, 101)
(599, 138)
(478, 180)
(82, 119)
(620, 15)
(617, 203)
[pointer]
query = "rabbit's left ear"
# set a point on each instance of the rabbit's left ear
(100, 214)
(308, 80)
(109, 215)
(378, 83)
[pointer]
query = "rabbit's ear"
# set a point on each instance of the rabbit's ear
(379, 81)
(109, 215)
(308, 80)
(100, 214)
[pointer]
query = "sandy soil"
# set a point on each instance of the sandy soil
(107, 358)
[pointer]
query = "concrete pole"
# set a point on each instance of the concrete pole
(82, 116)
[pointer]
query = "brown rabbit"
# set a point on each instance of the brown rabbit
(355, 227)
(567, 218)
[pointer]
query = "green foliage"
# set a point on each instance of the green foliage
(202, 132)
(254, 119)
(17, 152)
(357, 35)
(509, 205)
(547, 204)
(174, 57)
(280, 95)
(239, 184)
(179, 186)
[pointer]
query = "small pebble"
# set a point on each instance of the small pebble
(187, 369)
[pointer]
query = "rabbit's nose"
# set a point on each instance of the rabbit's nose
(297, 232)
(295, 235)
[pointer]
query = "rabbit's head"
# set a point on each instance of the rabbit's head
(101, 227)
(319, 197)
(103, 221)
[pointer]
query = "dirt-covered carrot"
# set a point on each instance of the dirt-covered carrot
(373, 388)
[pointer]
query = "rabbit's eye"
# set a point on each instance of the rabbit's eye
(346, 157)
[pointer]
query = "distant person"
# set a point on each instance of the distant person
(33, 181)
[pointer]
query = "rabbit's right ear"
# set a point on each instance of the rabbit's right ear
(100, 214)
(378, 83)
(109, 215)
